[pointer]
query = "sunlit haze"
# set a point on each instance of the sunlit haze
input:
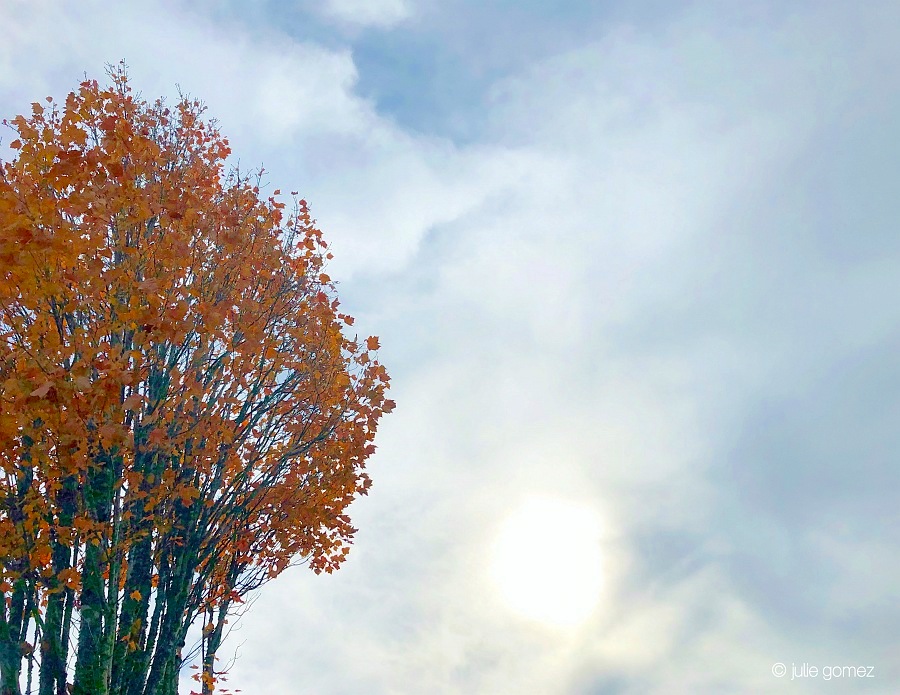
(546, 563)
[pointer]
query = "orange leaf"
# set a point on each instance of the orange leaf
(41, 555)
(70, 577)
(42, 390)
(372, 342)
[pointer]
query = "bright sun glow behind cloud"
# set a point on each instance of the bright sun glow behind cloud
(546, 562)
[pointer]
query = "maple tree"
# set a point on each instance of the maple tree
(181, 414)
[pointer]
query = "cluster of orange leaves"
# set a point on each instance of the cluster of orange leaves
(159, 314)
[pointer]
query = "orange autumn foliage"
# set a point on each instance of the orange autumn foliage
(181, 414)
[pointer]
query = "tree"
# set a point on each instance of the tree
(181, 414)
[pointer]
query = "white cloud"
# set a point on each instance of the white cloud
(375, 13)
(260, 85)
(541, 378)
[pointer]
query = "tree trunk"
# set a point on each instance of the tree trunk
(52, 676)
(10, 658)
(89, 670)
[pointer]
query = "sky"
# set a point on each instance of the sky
(634, 267)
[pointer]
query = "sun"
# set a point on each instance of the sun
(546, 562)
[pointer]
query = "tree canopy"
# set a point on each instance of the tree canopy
(182, 416)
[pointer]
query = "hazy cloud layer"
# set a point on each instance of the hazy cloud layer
(657, 279)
